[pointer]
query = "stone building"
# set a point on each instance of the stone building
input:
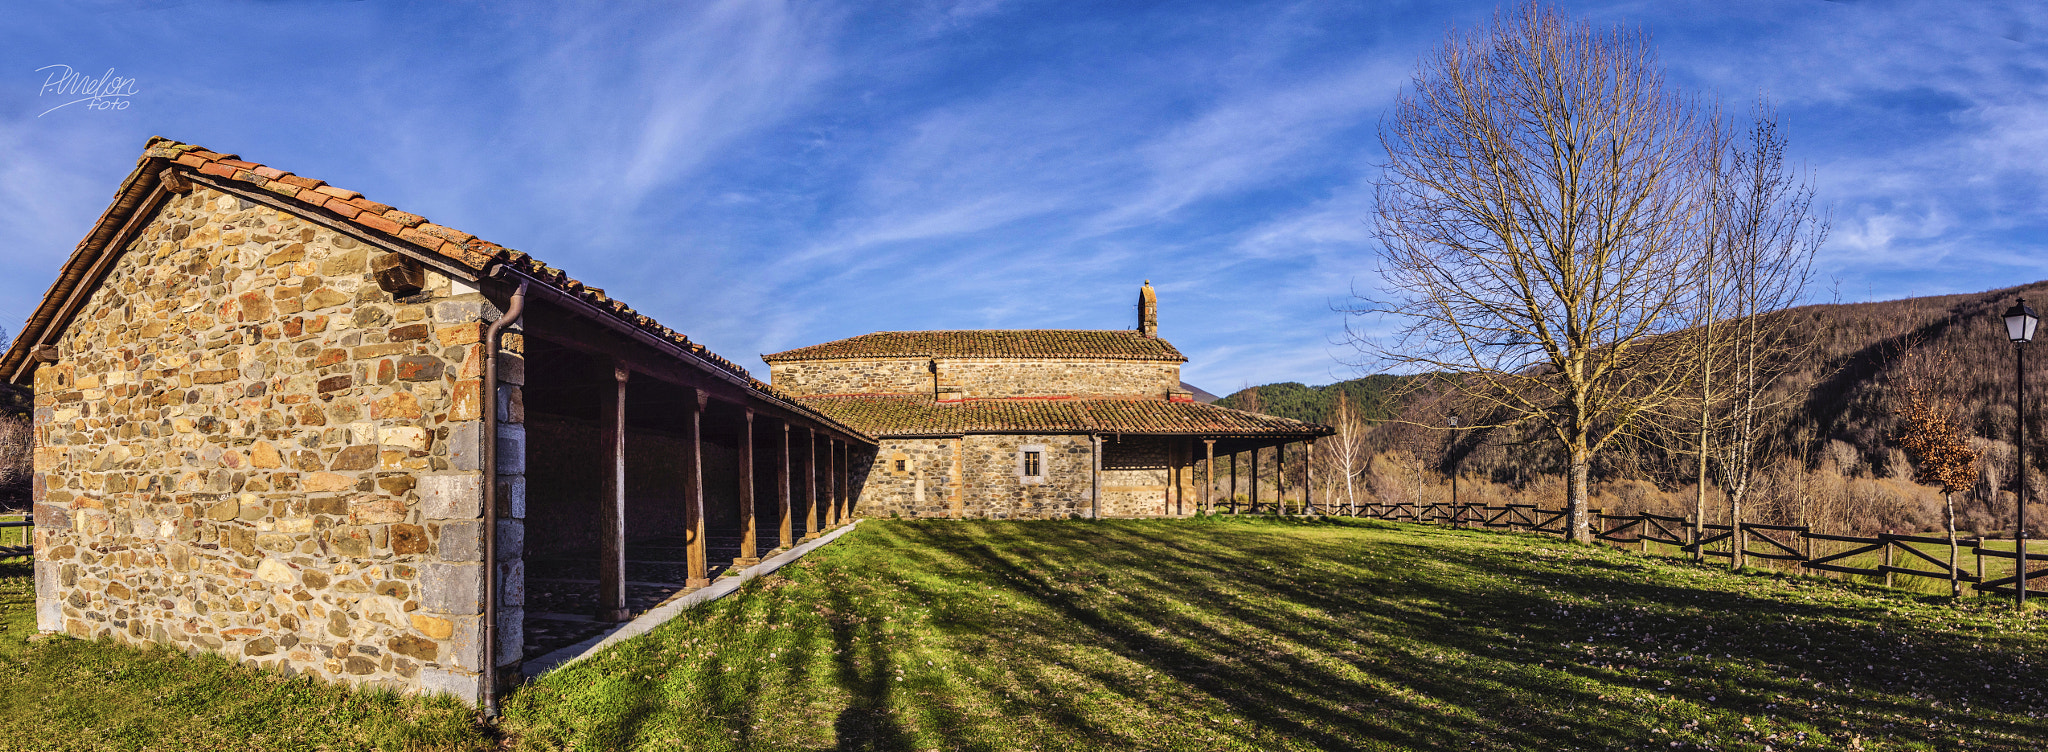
(1035, 423)
(269, 424)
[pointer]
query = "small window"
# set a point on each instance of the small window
(902, 466)
(1031, 464)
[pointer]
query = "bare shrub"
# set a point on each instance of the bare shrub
(17, 439)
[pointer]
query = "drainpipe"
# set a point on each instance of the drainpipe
(490, 395)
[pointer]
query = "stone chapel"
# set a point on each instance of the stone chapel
(1026, 423)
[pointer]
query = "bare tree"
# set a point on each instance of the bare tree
(1343, 456)
(1539, 216)
(1762, 234)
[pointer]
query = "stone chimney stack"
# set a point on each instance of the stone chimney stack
(1148, 311)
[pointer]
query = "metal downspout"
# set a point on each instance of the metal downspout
(490, 457)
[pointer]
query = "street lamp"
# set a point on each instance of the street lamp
(2019, 327)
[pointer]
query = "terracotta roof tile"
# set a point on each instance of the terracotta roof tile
(458, 246)
(992, 343)
(919, 415)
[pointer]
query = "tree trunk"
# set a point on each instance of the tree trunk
(1576, 530)
(1955, 585)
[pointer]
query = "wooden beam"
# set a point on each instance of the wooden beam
(611, 572)
(750, 553)
(693, 494)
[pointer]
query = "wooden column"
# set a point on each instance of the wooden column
(1233, 482)
(782, 460)
(845, 482)
(1255, 482)
(1095, 478)
(693, 494)
(750, 553)
(1280, 477)
(810, 483)
(832, 489)
(1208, 475)
(611, 546)
(1308, 475)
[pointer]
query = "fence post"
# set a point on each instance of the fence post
(1980, 558)
(1643, 526)
(1887, 558)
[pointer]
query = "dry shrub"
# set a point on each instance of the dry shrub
(16, 461)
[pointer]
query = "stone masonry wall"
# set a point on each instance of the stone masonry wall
(1134, 476)
(976, 477)
(961, 378)
(853, 376)
(1040, 377)
(247, 447)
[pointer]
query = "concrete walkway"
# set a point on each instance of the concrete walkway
(659, 615)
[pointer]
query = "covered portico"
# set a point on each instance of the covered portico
(633, 468)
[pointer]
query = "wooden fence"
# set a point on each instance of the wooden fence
(1793, 544)
(22, 542)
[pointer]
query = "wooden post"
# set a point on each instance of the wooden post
(1280, 477)
(611, 551)
(1095, 477)
(1887, 558)
(1308, 477)
(1233, 482)
(810, 483)
(1208, 475)
(782, 488)
(1980, 558)
(1741, 543)
(750, 553)
(1255, 482)
(842, 460)
(693, 494)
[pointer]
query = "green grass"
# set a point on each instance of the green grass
(13, 536)
(64, 694)
(1252, 634)
(1263, 634)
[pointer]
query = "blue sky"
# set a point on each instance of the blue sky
(768, 175)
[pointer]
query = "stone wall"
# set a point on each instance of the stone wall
(247, 447)
(853, 376)
(962, 378)
(976, 477)
(1040, 377)
(1135, 476)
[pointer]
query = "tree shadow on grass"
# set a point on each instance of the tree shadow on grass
(1261, 635)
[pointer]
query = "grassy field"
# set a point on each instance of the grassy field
(1250, 634)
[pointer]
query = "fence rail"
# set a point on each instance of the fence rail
(1786, 543)
(27, 547)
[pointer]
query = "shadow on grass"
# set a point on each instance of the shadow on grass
(1264, 634)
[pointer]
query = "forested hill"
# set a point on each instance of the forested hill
(1371, 396)
(1841, 395)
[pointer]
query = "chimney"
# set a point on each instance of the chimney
(1148, 311)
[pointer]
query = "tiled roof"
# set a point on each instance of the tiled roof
(461, 248)
(454, 244)
(992, 343)
(919, 415)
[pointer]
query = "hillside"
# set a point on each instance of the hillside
(1838, 402)
(1372, 396)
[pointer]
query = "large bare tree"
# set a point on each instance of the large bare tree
(1539, 216)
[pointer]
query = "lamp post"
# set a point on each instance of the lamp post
(2019, 327)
